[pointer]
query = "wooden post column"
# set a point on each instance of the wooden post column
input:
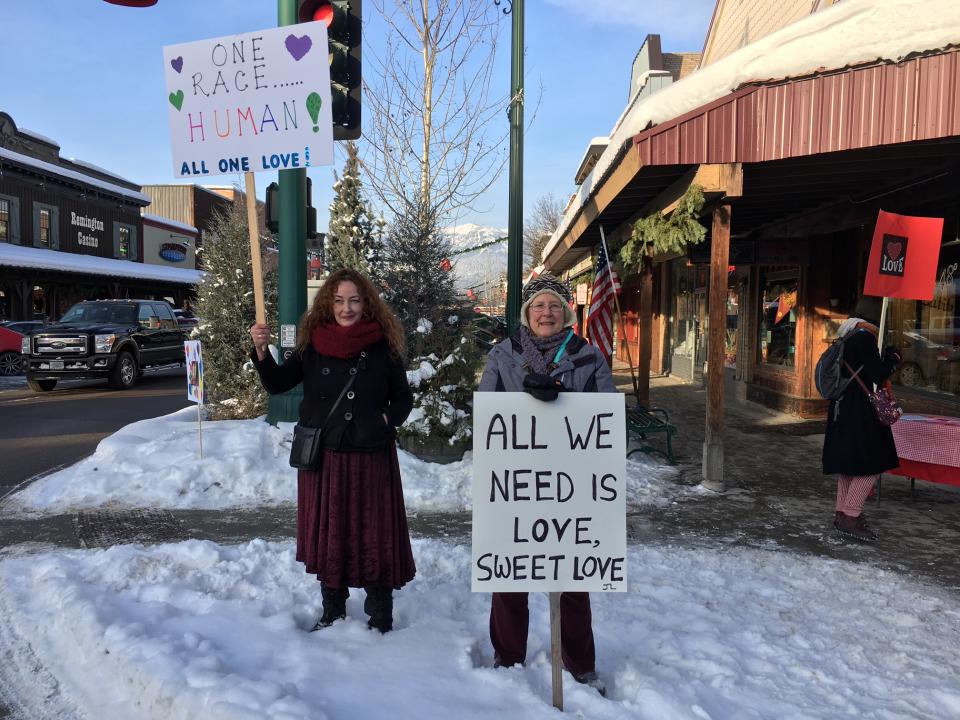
(645, 333)
(716, 342)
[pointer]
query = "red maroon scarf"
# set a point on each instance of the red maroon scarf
(345, 341)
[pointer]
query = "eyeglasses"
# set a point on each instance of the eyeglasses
(553, 307)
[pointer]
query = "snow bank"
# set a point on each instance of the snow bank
(156, 464)
(199, 630)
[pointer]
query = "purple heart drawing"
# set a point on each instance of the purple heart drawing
(298, 46)
(177, 63)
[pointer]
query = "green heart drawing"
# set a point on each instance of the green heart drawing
(176, 99)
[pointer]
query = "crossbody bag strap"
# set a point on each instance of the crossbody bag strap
(856, 376)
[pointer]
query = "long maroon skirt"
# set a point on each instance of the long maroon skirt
(351, 521)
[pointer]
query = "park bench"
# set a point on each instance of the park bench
(642, 422)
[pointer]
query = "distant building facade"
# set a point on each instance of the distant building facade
(70, 231)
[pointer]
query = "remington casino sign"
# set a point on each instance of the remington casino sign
(86, 227)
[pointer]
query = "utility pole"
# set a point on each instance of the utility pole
(515, 217)
(292, 279)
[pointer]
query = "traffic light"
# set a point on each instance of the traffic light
(342, 18)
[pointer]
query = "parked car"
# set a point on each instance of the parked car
(186, 319)
(23, 326)
(112, 339)
(10, 342)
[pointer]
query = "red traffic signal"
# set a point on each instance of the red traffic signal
(343, 21)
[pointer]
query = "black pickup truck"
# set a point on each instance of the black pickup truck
(112, 339)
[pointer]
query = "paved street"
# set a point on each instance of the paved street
(43, 431)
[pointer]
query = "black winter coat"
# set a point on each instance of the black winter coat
(357, 424)
(856, 443)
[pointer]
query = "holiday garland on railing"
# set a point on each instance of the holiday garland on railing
(656, 234)
(478, 247)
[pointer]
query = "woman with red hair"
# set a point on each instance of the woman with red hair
(351, 520)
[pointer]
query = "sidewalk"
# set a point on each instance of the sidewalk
(777, 497)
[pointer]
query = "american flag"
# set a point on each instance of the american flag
(600, 322)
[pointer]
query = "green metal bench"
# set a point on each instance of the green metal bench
(642, 422)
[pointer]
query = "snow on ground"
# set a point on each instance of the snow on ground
(156, 463)
(199, 630)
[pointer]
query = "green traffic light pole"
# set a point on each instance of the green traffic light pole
(515, 213)
(291, 283)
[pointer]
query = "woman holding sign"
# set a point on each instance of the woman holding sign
(857, 447)
(543, 358)
(351, 521)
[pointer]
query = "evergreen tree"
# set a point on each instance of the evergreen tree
(420, 286)
(226, 308)
(354, 235)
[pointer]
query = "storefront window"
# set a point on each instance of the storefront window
(778, 317)
(928, 333)
(4, 220)
(124, 242)
(44, 227)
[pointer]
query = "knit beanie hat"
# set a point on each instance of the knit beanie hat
(547, 283)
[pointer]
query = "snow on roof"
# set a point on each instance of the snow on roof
(42, 259)
(37, 136)
(847, 33)
(167, 222)
(97, 168)
(73, 175)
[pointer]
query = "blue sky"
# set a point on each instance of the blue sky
(90, 76)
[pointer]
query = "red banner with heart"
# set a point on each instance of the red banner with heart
(903, 257)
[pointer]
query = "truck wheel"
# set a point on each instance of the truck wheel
(41, 385)
(9, 363)
(124, 373)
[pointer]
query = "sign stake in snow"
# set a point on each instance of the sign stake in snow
(549, 498)
(194, 359)
(249, 103)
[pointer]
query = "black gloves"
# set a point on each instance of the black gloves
(891, 355)
(542, 387)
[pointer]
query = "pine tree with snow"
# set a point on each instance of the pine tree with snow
(225, 305)
(443, 358)
(354, 237)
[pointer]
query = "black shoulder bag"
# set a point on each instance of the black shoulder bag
(306, 452)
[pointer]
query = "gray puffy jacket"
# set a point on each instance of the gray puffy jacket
(582, 368)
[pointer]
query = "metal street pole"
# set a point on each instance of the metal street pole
(515, 217)
(292, 280)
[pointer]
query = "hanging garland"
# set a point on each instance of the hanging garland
(658, 234)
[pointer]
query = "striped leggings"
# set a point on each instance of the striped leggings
(852, 492)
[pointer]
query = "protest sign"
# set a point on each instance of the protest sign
(194, 357)
(194, 360)
(549, 493)
(250, 102)
(903, 257)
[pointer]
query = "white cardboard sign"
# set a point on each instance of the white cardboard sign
(549, 493)
(251, 102)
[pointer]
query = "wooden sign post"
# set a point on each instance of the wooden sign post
(256, 266)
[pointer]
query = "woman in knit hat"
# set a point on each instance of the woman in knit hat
(857, 448)
(545, 357)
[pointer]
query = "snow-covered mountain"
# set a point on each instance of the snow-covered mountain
(481, 267)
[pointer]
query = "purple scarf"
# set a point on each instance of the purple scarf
(538, 352)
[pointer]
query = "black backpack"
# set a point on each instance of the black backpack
(828, 376)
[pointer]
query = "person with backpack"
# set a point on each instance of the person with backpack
(857, 447)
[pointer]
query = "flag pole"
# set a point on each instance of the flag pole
(623, 329)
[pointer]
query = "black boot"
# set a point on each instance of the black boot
(334, 605)
(379, 606)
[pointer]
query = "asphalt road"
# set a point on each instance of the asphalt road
(40, 432)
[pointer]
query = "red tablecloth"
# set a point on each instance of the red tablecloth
(928, 447)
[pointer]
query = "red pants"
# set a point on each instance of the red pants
(509, 619)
